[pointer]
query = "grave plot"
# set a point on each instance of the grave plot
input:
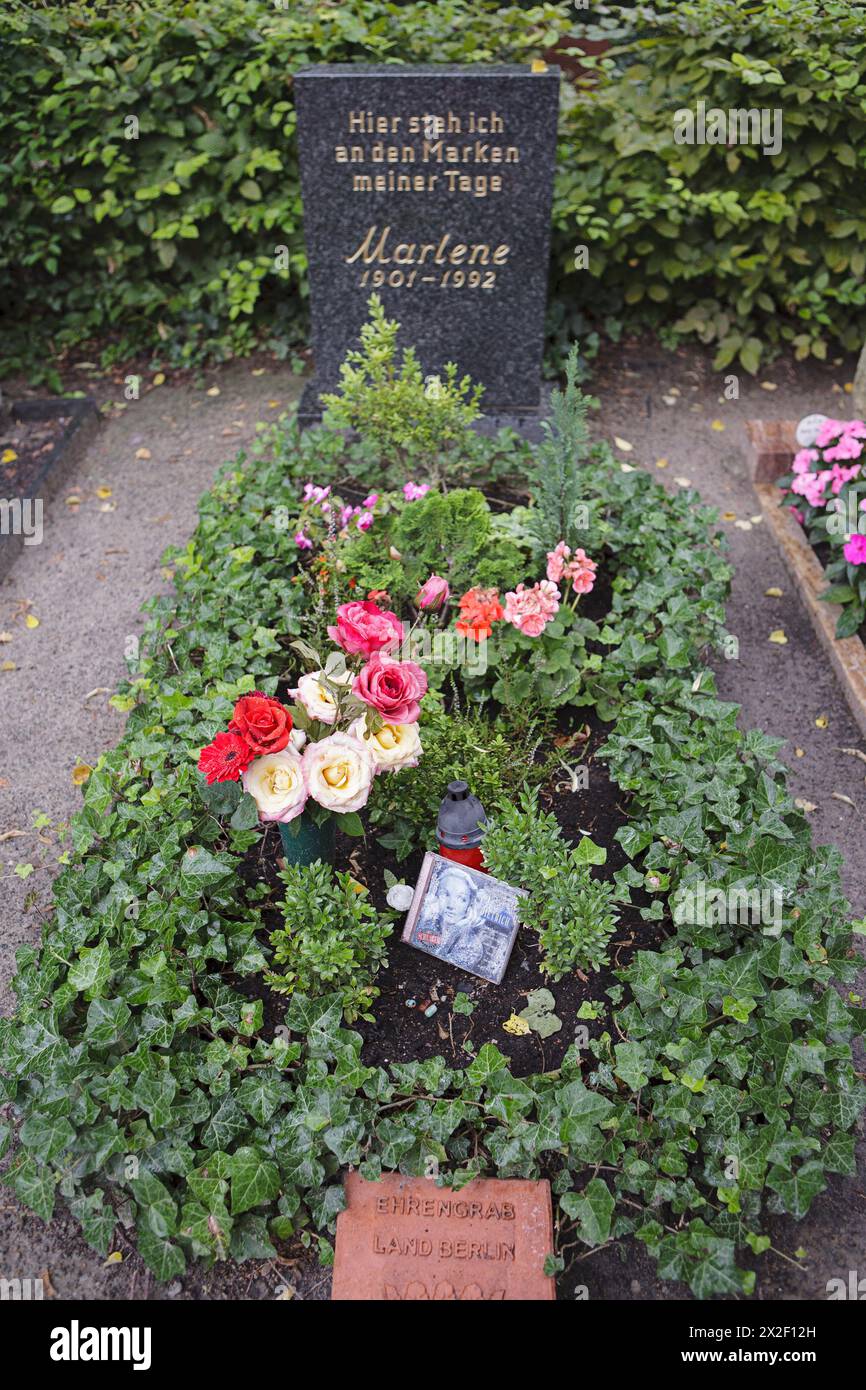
(223, 1036)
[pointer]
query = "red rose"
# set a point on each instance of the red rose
(262, 722)
(394, 688)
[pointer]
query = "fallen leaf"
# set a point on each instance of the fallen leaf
(48, 1289)
(80, 774)
(822, 721)
(12, 835)
(854, 753)
(212, 391)
(661, 463)
(73, 501)
(773, 593)
(799, 752)
(5, 636)
(743, 525)
(539, 65)
(756, 520)
(803, 805)
(669, 400)
(159, 378)
(849, 387)
(31, 621)
(115, 1258)
(729, 516)
(108, 507)
(768, 386)
(97, 690)
(142, 453)
(273, 404)
(103, 492)
(778, 636)
(838, 796)
(517, 1026)
(8, 666)
(258, 371)
(539, 1014)
(627, 468)
(8, 456)
(716, 425)
(623, 444)
(683, 482)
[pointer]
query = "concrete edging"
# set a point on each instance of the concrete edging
(773, 446)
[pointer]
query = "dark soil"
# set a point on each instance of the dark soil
(34, 442)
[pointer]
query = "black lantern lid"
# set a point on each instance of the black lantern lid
(461, 818)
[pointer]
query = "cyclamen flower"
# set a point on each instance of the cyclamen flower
(479, 610)
(315, 494)
(413, 491)
(530, 610)
(855, 550)
(303, 542)
(365, 521)
(226, 758)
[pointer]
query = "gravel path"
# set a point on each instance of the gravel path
(100, 559)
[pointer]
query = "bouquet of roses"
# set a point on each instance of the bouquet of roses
(826, 492)
(354, 715)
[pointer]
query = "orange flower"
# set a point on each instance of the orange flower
(479, 609)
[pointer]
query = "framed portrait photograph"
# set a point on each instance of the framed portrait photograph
(464, 917)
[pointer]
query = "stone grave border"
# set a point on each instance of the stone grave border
(773, 445)
(71, 448)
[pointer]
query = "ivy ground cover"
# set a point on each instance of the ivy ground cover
(155, 1080)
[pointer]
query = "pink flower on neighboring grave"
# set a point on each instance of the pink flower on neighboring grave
(840, 476)
(371, 500)
(854, 550)
(804, 458)
(303, 542)
(530, 610)
(413, 491)
(811, 486)
(848, 447)
(364, 521)
(829, 431)
(315, 494)
(581, 572)
(798, 515)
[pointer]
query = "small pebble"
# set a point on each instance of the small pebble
(399, 896)
(428, 1013)
(410, 1003)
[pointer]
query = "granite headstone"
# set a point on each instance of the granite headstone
(432, 187)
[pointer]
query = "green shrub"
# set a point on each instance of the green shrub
(747, 252)
(572, 913)
(402, 415)
(333, 940)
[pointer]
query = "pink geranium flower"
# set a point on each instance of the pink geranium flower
(413, 491)
(530, 610)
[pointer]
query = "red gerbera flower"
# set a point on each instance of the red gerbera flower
(226, 758)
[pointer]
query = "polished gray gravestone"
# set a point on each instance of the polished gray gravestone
(432, 187)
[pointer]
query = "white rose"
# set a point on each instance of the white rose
(339, 770)
(393, 747)
(278, 785)
(316, 698)
(297, 738)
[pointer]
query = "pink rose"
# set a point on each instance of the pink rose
(433, 592)
(393, 688)
(362, 628)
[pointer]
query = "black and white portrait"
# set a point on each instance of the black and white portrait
(464, 917)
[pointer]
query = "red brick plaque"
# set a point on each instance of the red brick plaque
(407, 1239)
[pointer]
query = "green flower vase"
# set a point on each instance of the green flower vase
(304, 841)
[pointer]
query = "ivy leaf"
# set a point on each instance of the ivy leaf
(592, 1209)
(631, 1065)
(254, 1180)
(166, 1259)
(92, 969)
(246, 815)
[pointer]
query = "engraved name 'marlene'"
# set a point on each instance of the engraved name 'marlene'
(375, 251)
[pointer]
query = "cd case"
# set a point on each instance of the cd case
(464, 917)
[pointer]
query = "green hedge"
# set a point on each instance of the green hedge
(166, 242)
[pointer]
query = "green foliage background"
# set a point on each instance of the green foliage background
(167, 242)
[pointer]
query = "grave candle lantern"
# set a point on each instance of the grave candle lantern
(461, 826)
